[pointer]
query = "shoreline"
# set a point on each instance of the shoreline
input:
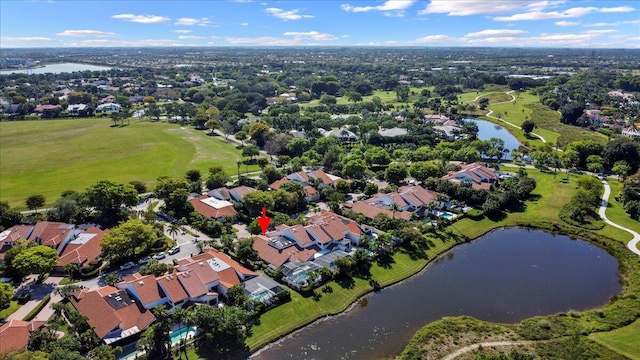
(528, 226)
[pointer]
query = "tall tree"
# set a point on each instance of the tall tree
(37, 259)
(36, 201)
(129, 239)
(108, 198)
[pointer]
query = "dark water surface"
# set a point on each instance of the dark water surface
(488, 130)
(505, 276)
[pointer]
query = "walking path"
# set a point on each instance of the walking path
(466, 349)
(513, 98)
(633, 244)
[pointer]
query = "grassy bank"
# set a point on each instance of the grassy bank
(50, 156)
(624, 340)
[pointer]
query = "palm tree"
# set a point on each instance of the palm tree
(238, 162)
(173, 230)
(71, 269)
(394, 208)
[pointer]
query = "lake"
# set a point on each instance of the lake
(57, 68)
(505, 276)
(488, 130)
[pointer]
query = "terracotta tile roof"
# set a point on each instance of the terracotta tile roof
(310, 190)
(234, 264)
(119, 311)
(14, 334)
(210, 211)
(45, 107)
(275, 257)
(276, 184)
(300, 235)
(171, 286)
(229, 278)
(475, 172)
(192, 284)
(146, 288)
(303, 175)
(370, 211)
(242, 190)
(204, 271)
(319, 174)
(14, 233)
(318, 233)
(80, 253)
(50, 233)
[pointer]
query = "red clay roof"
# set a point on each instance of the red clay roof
(16, 232)
(211, 212)
(205, 272)
(275, 257)
(171, 286)
(14, 334)
(146, 288)
(192, 284)
(322, 176)
(81, 253)
(50, 233)
(229, 278)
(100, 315)
(276, 184)
(474, 171)
(242, 190)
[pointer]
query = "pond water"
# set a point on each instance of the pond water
(488, 130)
(505, 276)
(57, 68)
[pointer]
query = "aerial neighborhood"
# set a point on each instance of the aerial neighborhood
(137, 231)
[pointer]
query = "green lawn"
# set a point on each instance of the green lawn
(615, 213)
(13, 307)
(387, 97)
(625, 340)
(50, 156)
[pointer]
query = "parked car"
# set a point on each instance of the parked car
(127, 266)
(174, 250)
(159, 256)
(144, 260)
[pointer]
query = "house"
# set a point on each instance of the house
(108, 107)
(9, 237)
(343, 134)
(228, 271)
(436, 118)
(213, 208)
(449, 132)
(145, 289)
(297, 273)
(171, 286)
(56, 235)
(83, 248)
(47, 110)
(112, 314)
(10, 109)
(408, 199)
(14, 334)
(278, 250)
(473, 175)
(235, 194)
(371, 211)
(393, 132)
(77, 109)
(107, 99)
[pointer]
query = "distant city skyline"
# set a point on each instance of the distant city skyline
(514, 23)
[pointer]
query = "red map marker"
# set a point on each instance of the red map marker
(264, 221)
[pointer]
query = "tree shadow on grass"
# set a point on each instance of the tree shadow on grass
(204, 353)
(386, 262)
(497, 216)
(345, 282)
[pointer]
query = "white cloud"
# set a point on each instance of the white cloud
(244, 24)
(472, 7)
(312, 35)
(389, 7)
(124, 43)
(598, 32)
(85, 33)
(182, 31)
(434, 38)
(142, 19)
(345, 36)
(190, 37)
(575, 12)
(287, 14)
(497, 33)
(192, 21)
(25, 38)
(263, 40)
(564, 23)
(617, 23)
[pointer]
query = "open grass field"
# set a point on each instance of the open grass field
(50, 156)
(387, 97)
(625, 340)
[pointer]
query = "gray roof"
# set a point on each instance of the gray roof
(392, 132)
(260, 283)
(327, 260)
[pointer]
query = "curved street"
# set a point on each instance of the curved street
(633, 244)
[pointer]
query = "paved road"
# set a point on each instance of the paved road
(633, 244)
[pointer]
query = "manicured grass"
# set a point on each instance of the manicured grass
(50, 156)
(13, 307)
(387, 97)
(625, 340)
(616, 213)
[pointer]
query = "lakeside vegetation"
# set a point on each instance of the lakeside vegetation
(623, 340)
(49, 157)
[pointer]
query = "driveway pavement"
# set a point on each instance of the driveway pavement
(38, 292)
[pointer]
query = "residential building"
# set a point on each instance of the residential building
(213, 208)
(343, 134)
(77, 109)
(14, 334)
(473, 175)
(82, 248)
(108, 107)
(112, 313)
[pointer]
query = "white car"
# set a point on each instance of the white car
(159, 256)
(127, 266)
(174, 250)
(144, 260)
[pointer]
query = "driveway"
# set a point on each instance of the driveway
(38, 292)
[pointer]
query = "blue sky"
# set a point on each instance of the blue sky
(513, 23)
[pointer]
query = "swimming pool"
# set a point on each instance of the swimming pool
(184, 333)
(447, 215)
